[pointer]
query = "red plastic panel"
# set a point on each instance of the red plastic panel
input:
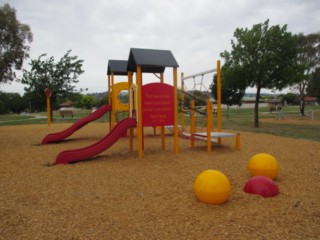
(157, 104)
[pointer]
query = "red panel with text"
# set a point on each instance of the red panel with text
(157, 104)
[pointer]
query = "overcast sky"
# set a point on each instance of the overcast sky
(196, 31)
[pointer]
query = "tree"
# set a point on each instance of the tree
(75, 97)
(58, 76)
(87, 101)
(290, 99)
(263, 57)
(15, 103)
(14, 37)
(313, 88)
(3, 109)
(231, 94)
(11, 103)
(3, 103)
(309, 56)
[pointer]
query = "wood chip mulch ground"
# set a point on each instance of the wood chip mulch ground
(118, 196)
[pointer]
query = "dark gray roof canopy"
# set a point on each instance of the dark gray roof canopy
(118, 67)
(150, 60)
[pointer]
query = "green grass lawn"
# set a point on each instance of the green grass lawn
(41, 118)
(293, 125)
(14, 117)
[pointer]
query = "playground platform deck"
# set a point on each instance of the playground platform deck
(216, 136)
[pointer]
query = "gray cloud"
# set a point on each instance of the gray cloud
(195, 31)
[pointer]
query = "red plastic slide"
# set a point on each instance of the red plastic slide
(98, 147)
(59, 136)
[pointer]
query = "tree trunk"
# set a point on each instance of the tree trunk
(256, 108)
(302, 104)
(302, 88)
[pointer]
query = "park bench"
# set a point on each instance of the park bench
(65, 112)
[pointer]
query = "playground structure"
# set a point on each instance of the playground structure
(153, 104)
(210, 136)
(59, 136)
(117, 68)
(47, 92)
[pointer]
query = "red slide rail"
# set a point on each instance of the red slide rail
(81, 154)
(59, 136)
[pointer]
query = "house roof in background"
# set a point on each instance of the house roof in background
(67, 103)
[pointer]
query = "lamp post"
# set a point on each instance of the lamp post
(47, 91)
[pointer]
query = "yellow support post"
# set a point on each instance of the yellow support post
(109, 90)
(113, 100)
(109, 100)
(163, 139)
(47, 92)
(192, 123)
(139, 110)
(213, 114)
(131, 131)
(182, 100)
(49, 111)
(238, 143)
(129, 85)
(176, 133)
(219, 114)
(219, 96)
(209, 124)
